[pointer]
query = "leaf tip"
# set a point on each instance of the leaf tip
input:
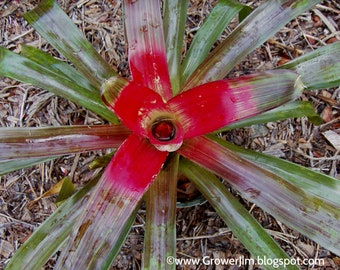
(111, 89)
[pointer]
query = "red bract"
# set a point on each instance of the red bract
(161, 122)
(146, 105)
(166, 109)
(147, 56)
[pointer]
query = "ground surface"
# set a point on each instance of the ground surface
(200, 231)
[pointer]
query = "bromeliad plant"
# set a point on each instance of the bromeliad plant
(163, 121)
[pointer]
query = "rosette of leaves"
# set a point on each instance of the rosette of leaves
(163, 121)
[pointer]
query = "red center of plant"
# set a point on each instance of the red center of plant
(163, 130)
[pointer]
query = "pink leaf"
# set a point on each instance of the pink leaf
(132, 103)
(135, 165)
(303, 211)
(144, 112)
(147, 53)
(111, 204)
(213, 105)
(49, 141)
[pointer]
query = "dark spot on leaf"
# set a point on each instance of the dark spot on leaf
(253, 193)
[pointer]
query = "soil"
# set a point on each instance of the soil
(200, 231)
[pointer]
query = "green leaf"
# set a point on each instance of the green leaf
(174, 18)
(160, 227)
(259, 26)
(7, 166)
(320, 68)
(51, 234)
(218, 19)
(101, 161)
(18, 143)
(320, 185)
(289, 110)
(66, 191)
(108, 215)
(243, 225)
(50, 21)
(311, 215)
(244, 13)
(57, 66)
(26, 70)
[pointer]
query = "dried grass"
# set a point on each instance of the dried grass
(199, 229)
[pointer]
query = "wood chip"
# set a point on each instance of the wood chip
(333, 138)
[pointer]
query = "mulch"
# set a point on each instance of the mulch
(200, 231)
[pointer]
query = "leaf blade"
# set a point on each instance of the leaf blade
(289, 110)
(160, 227)
(320, 68)
(304, 212)
(219, 18)
(147, 53)
(321, 185)
(174, 17)
(260, 25)
(18, 143)
(50, 235)
(96, 240)
(26, 70)
(44, 59)
(228, 101)
(244, 226)
(58, 29)
(7, 166)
